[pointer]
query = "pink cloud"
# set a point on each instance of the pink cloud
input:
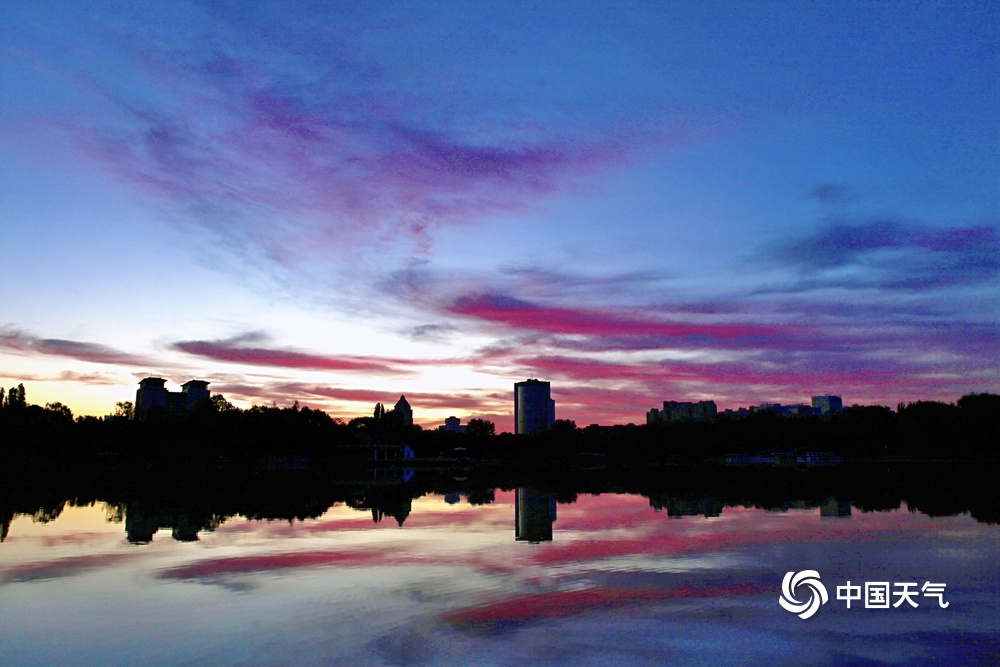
(590, 390)
(740, 373)
(239, 156)
(518, 314)
(596, 391)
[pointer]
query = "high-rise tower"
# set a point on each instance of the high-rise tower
(534, 409)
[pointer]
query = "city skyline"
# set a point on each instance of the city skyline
(533, 409)
(728, 202)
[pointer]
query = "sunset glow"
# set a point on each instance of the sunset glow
(341, 204)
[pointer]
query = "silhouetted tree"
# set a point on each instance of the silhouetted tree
(125, 410)
(16, 398)
(220, 404)
(981, 420)
(62, 411)
(480, 428)
(865, 431)
(981, 407)
(928, 428)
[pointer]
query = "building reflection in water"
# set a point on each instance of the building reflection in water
(534, 514)
(680, 507)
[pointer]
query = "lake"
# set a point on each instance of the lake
(523, 580)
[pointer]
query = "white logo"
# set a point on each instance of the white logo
(817, 595)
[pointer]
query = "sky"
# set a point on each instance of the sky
(339, 203)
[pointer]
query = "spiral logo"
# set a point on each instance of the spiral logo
(817, 595)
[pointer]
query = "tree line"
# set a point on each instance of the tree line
(922, 430)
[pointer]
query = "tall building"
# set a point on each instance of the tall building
(153, 394)
(534, 409)
(827, 404)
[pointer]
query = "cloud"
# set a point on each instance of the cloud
(96, 379)
(283, 154)
(105, 379)
(515, 313)
(240, 349)
(888, 255)
(597, 390)
(828, 193)
(542, 282)
(348, 136)
(431, 332)
(461, 400)
(17, 341)
(738, 373)
(474, 402)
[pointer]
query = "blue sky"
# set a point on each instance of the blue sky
(638, 202)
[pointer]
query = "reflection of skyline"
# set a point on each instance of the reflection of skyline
(460, 580)
(534, 514)
(193, 501)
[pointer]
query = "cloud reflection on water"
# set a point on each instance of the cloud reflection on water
(620, 582)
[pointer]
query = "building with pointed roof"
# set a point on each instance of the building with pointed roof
(404, 411)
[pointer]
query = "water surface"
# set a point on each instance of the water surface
(523, 580)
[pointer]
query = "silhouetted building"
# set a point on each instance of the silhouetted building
(453, 424)
(534, 409)
(534, 514)
(676, 411)
(404, 411)
(784, 410)
(827, 404)
(153, 394)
